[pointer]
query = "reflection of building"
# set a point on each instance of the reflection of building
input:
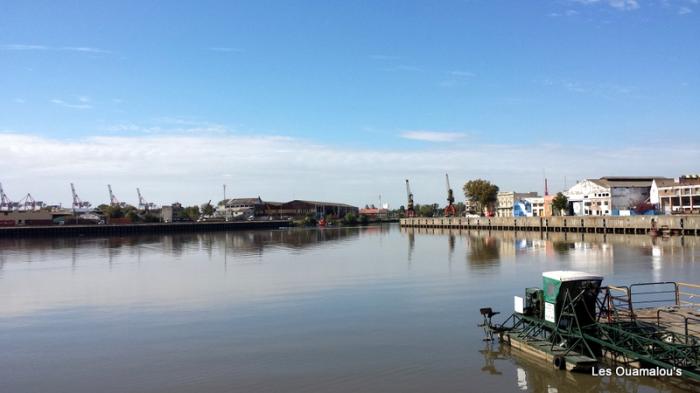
(506, 202)
(680, 195)
(609, 195)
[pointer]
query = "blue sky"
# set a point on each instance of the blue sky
(343, 100)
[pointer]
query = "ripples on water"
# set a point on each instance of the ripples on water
(374, 309)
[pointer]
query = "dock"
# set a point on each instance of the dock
(684, 225)
(129, 229)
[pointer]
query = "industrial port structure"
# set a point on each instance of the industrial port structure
(688, 225)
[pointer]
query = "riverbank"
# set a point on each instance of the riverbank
(636, 225)
(125, 229)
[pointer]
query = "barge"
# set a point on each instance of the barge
(575, 323)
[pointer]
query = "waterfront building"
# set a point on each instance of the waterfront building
(506, 201)
(298, 208)
(374, 212)
(610, 195)
(680, 195)
(536, 206)
(26, 217)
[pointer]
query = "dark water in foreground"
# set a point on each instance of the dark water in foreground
(337, 310)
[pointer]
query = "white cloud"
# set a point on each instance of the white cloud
(684, 11)
(191, 168)
(26, 47)
(462, 74)
(623, 5)
(433, 136)
(83, 103)
(20, 100)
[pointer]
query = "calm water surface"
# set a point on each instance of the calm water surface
(375, 309)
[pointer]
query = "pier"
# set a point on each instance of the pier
(685, 225)
(128, 229)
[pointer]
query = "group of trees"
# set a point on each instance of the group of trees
(127, 211)
(483, 194)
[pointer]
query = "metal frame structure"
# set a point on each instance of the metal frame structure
(618, 330)
(410, 211)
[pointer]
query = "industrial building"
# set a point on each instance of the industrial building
(299, 207)
(611, 195)
(674, 196)
(506, 205)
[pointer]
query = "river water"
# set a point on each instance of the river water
(375, 309)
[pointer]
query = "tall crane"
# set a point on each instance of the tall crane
(112, 199)
(410, 212)
(450, 210)
(143, 205)
(5, 202)
(28, 203)
(78, 205)
(142, 202)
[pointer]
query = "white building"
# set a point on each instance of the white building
(610, 195)
(505, 201)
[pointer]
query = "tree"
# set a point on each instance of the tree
(133, 216)
(426, 210)
(559, 203)
(207, 209)
(190, 213)
(481, 192)
(350, 219)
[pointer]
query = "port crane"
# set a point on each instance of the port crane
(28, 203)
(113, 201)
(5, 202)
(450, 210)
(410, 212)
(143, 205)
(78, 204)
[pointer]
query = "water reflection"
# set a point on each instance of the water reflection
(248, 243)
(599, 252)
(534, 375)
(371, 309)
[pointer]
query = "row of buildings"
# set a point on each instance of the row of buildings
(248, 208)
(610, 196)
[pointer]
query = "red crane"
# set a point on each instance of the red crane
(410, 212)
(450, 210)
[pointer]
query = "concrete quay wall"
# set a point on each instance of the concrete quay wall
(663, 225)
(127, 229)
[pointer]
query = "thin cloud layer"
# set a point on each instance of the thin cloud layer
(26, 47)
(192, 169)
(433, 136)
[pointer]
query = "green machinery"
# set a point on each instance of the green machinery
(574, 320)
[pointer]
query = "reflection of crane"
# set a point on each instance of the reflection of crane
(450, 208)
(5, 202)
(410, 212)
(78, 205)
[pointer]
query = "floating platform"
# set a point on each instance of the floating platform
(543, 350)
(573, 323)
